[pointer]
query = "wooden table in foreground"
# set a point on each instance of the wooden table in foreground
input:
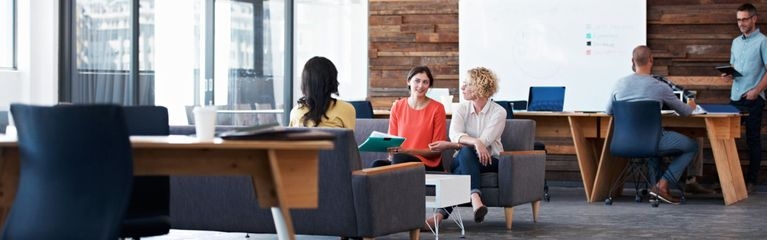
(591, 134)
(284, 175)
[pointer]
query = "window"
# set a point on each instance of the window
(8, 34)
(227, 53)
(337, 30)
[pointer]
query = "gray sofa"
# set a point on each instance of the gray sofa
(521, 170)
(352, 202)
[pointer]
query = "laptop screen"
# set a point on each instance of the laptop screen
(546, 99)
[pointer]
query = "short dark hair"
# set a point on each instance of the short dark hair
(417, 70)
(747, 7)
(641, 55)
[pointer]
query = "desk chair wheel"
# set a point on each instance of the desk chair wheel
(547, 197)
(655, 202)
(637, 198)
(609, 201)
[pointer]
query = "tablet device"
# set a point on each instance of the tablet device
(730, 70)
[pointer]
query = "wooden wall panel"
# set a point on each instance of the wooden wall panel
(688, 38)
(407, 33)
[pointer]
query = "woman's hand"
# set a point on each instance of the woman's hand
(482, 153)
(440, 146)
(392, 151)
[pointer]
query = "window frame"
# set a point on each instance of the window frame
(14, 37)
(67, 51)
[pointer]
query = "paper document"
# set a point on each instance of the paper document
(379, 142)
(273, 131)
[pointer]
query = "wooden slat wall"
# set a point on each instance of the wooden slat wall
(407, 33)
(688, 38)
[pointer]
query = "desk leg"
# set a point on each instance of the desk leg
(9, 180)
(294, 177)
(282, 221)
(726, 158)
(585, 151)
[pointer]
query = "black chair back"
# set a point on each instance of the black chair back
(76, 172)
(147, 120)
(148, 213)
(636, 129)
(364, 109)
(509, 110)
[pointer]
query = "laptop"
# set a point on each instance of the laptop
(546, 98)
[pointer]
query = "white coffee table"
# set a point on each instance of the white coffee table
(449, 190)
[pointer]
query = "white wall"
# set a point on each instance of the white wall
(36, 79)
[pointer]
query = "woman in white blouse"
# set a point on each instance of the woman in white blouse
(475, 130)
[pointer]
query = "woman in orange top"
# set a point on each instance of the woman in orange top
(420, 120)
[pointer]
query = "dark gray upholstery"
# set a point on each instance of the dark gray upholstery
(3, 121)
(520, 177)
(350, 204)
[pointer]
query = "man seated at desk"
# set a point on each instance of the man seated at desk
(642, 86)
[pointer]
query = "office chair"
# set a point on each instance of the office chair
(636, 135)
(148, 213)
(76, 172)
(364, 109)
(510, 106)
(507, 105)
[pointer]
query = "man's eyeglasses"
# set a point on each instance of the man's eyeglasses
(745, 19)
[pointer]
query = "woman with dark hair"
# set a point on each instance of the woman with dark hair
(317, 108)
(420, 120)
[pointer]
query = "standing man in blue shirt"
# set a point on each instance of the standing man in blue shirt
(749, 57)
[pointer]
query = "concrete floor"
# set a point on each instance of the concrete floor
(569, 216)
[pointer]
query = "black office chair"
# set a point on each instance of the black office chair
(149, 209)
(636, 135)
(364, 109)
(510, 106)
(75, 175)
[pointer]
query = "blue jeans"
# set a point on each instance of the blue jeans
(671, 140)
(466, 162)
(753, 134)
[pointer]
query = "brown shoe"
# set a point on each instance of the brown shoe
(664, 195)
(695, 188)
(432, 222)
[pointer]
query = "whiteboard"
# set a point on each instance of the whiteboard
(583, 45)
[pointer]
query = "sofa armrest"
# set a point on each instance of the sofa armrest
(521, 177)
(389, 199)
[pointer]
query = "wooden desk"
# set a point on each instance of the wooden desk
(284, 175)
(591, 134)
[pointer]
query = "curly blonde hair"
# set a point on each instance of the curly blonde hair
(484, 80)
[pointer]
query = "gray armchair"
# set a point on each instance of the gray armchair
(521, 171)
(352, 202)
